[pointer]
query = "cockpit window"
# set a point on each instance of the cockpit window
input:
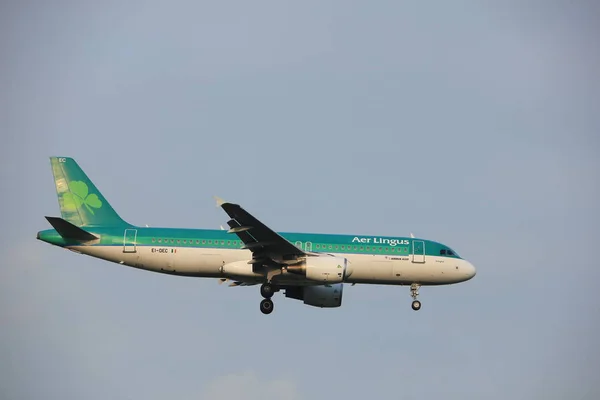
(443, 252)
(450, 253)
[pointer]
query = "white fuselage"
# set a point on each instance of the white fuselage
(212, 263)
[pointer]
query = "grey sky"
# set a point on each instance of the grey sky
(475, 125)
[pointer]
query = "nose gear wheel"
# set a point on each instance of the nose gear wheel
(414, 293)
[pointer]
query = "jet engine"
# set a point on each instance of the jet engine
(317, 296)
(326, 269)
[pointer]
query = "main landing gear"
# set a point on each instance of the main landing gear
(414, 292)
(267, 290)
(266, 306)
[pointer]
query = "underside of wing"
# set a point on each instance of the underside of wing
(236, 282)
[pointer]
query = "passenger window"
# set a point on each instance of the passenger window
(361, 248)
(153, 240)
(229, 243)
(159, 240)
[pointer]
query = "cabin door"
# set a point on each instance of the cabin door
(418, 251)
(129, 241)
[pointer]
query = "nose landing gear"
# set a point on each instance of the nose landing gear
(414, 292)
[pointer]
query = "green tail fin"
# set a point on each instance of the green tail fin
(81, 203)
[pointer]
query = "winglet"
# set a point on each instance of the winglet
(412, 236)
(220, 201)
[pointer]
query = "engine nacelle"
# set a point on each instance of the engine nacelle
(317, 296)
(326, 269)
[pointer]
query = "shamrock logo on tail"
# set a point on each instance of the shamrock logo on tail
(79, 196)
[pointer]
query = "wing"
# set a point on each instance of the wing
(266, 245)
(236, 283)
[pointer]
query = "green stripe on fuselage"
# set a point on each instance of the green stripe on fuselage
(220, 239)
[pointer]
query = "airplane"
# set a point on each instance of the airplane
(310, 267)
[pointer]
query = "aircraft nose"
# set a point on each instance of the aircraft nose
(469, 270)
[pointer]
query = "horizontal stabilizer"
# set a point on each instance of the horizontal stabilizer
(69, 231)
